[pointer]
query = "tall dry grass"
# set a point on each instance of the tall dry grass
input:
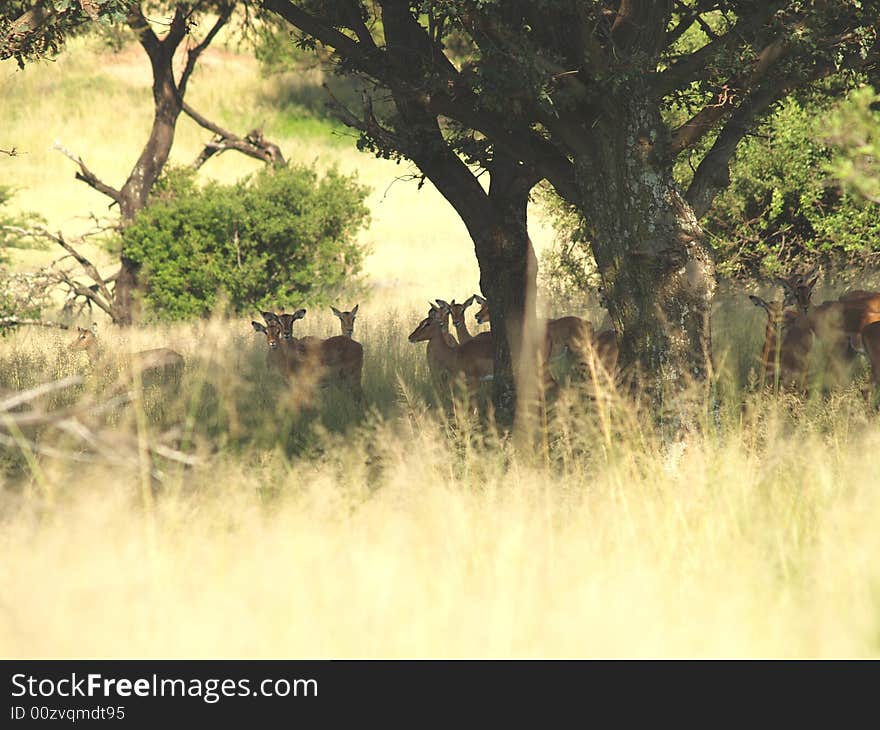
(403, 532)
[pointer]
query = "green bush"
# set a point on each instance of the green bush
(280, 238)
(803, 190)
(782, 210)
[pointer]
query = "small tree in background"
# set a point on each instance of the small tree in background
(277, 239)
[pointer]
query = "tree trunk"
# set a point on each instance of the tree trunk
(658, 270)
(508, 270)
(167, 106)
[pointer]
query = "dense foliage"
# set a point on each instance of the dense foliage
(782, 210)
(803, 190)
(277, 239)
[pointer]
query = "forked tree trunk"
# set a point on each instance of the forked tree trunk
(658, 270)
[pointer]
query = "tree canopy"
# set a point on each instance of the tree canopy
(578, 93)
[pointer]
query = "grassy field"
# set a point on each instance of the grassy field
(319, 530)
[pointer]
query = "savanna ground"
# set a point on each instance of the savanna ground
(323, 532)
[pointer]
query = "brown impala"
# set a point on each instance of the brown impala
(346, 319)
(336, 360)
(157, 363)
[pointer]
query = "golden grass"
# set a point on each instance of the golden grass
(405, 534)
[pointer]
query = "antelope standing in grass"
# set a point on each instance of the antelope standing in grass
(568, 334)
(837, 324)
(437, 364)
(787, 343)
(335, 360)
(154, 365)
(871, 340)
(472, 360)
(346, 319)
(457, 314)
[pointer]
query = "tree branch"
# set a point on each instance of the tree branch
(254, 144)
(18, 322)
(694, 66)
(692, 131)
(193, 54)
(88, 177)
(90, 269)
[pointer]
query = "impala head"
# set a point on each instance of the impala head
(86, 339)
(286, 322)
(272, 329)
(456, 310)
(436, 321)
(482, 315)
(775, 310)
(346, 319)
(798, 288)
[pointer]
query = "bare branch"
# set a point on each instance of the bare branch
(88, 177)
(18, 322)
(38, 391)
(88, 266)
(254, 144)
(193, 54)
(368, 124)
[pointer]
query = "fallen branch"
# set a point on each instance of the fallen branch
(18, 322)
(98, 293)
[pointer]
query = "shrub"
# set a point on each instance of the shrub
(782, 210)
(280, 238)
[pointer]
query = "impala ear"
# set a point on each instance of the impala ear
(441, 303)
(258, 327)
(470, 300)
(354, 311)
(758, 302)
(94, 328)
(270, 317)
(299, 314)
(336, 311)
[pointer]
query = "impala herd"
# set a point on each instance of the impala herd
(843, 328)
(468, 358)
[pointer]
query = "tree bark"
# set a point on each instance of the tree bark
(167, 106)
(508, 271)
(656, 266)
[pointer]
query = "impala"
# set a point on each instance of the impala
(457, 312)
(871, 339)
(436, 362)
(473, 360)
(798, 289)
(852, 312)
(160, 362)
(337, 359)
(346, 319)
(787, 343)
(569, 334)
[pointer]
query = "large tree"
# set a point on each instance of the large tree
(577, 90)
